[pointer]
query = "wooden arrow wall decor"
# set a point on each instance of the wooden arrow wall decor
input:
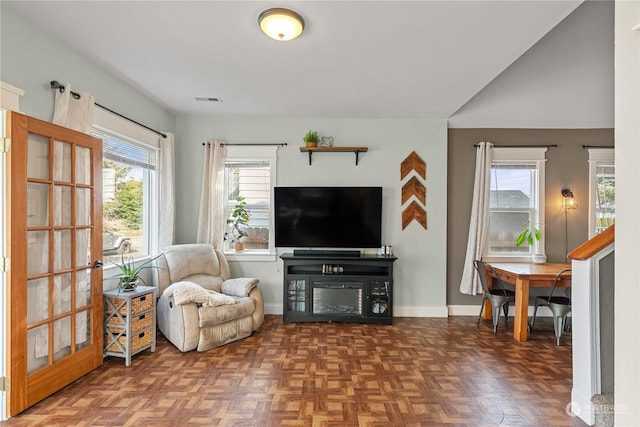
(413, 162)
(414, 187)
(414, 212)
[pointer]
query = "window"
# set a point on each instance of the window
(250, 174)
(602, 190)
(129, 188)
(516, 199)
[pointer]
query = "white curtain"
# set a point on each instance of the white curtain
(479, 223)
(72, 112)
(167, 192)
(210, 224)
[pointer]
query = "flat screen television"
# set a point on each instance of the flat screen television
(328, 217)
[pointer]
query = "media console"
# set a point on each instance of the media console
(338, 288)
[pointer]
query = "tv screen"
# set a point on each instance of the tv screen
(328, 217)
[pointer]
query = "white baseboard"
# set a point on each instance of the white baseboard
(420, 312)
(273, 309)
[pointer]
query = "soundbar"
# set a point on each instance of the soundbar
(326, 253)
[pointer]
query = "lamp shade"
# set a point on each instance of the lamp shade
(281, 24)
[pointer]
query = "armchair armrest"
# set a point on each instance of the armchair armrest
(239, 287)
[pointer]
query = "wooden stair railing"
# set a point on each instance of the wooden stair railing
(593, 245)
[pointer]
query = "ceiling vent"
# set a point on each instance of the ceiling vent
(208, 99)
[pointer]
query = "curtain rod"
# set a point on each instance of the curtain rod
(280, 144)
(522, 146)
(584, 147)
(56, 85)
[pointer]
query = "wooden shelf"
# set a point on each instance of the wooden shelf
(356, 150)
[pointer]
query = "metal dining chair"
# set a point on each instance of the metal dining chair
(560, 307)
(498, 297)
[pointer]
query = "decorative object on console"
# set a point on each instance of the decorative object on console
(311, 139)
(414, 188)
(239, 219)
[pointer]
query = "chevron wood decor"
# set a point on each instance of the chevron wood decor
(414, 187)
(414, 212)
(413, 162)
(420, 371)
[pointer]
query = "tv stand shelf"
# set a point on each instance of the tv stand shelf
(338, 288)
(356, 150)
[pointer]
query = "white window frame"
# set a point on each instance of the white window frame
(597, 157)
(524, 155)
(267, 153)
(111, 123)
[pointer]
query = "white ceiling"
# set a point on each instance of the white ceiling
(354, 59)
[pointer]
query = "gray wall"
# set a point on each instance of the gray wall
(566, 167)
(419, 274)
(30, 59)
(565, 81)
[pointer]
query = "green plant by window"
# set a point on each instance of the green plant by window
(529, 234)
(239, 219)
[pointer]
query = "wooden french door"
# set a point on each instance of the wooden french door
(54, 194)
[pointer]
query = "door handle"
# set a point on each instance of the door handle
(97, 264)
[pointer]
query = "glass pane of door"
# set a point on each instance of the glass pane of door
(58, 251)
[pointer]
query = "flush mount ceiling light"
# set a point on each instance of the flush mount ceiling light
(281, 24)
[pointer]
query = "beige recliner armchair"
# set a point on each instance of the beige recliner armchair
(199, 306)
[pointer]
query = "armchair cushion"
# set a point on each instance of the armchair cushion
(239, 287)
(186, 292)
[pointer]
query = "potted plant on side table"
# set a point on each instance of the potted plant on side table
(531, 234)
(238, 221)
(129, 277)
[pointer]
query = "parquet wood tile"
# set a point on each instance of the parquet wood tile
(416, 372)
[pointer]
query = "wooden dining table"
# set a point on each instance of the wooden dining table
(525, 275)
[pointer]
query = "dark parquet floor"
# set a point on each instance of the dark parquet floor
(417, 372)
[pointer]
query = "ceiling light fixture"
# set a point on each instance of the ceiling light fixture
(281, 24)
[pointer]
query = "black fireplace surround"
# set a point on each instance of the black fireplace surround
(338, 288)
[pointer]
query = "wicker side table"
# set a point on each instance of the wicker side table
(129, 322)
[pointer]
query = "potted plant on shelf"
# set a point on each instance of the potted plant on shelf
(129, 277)
(531, 234)
(311, 138)
(238, 221)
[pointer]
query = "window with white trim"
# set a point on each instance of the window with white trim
(602, 190)
(129, 188)
(516, 199)
(250, 173)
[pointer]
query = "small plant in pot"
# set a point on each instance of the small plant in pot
(311, 138)
(238, 221)
(129, 277)
(531, 235)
